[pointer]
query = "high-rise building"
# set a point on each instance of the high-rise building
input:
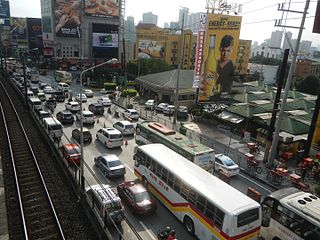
(276, 39)
(93, 37)
(305, 47)
(174, 25)
(166, 25)
(130, 30)
(287, 40)
(193, 22)
(149, 17)
(185, 12)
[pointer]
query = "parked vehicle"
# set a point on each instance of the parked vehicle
(71, 153)
(87, 137)
(73, 106)
(182, 112)
(105, 101)
(78, 97)
(110, 165)
(96, 108)
(65, 116)
(36, 103)
(89, 93)
(224, 164)
(110, 137)
(42, 85)
(63, 86)
(136, 196)
(150, 104)
(51, 103)
(131, 113)
(169, 110)
(87, 117)
(43, 114)
(125, 127)
(35, 90)
(161, 106)
(106, 201)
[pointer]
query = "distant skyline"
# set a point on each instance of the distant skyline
(258, 17)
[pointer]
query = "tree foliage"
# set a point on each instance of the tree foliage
(310, 85)
(146, 66)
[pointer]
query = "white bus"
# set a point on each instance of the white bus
(154, 132)
(289, 213)
(63, 76)
(208, 207)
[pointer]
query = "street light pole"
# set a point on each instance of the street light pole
(24, 74)
(178, 74)
(81, 121)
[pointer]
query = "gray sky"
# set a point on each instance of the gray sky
(257, 15)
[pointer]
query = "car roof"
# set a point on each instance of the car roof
(65, 112)
(135, 187)
(109, 157)
(112, 130)
(74, 103)
(87, 112)
(84, 129)
(132, 110)
(125, 122)
(70, 146)
(222, 157)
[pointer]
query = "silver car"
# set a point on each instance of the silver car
(110, 165)
(125, 127)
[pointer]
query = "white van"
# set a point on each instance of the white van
(63, 86)
(36, 103)
(53, 127)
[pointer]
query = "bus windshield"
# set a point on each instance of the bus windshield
(63, 76)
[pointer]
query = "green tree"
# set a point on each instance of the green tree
(310, 85)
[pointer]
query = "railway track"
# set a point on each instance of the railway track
(30, 174)
(36, 212)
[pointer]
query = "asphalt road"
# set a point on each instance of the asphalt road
(147, 226)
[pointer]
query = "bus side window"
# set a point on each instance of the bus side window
(170, 180)
(153, 166)
(219, 216)
(159, 170)
(176, 186)
(184, 191)
(210, 209)
(148, 162)
(201, 202)
(267, 212)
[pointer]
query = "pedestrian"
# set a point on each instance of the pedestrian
(172, 235)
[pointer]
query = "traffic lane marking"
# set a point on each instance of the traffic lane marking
(152, 236)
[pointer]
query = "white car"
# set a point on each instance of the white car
(226, 165)
(125, 127)
(110, 137)
(84, 97)
(48, 89)
(88, 93)
(161, 107)
(169, 110)
(105, 101)
(88, 117)
(131, 113)
(106, 91)
(72, 106)
(150, 104)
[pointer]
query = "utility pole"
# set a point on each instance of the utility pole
(176, 96)
(288, 83)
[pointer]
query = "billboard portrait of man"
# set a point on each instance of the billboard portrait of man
(219, 54)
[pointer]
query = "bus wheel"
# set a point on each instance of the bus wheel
(145, 182)
(188, 224)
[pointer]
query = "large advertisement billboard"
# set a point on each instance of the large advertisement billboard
(151, 48)
(105, 40)
(34, 33)
(18, 28)
(219, 54)
(67, 18)
(102, 8)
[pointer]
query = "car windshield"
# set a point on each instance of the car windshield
(143, 196)
(88, 115)
(115, 136)
(74, 150)
(67, 115)
(99, 107)
(86, 134)
(128, 126)
(114, 163)
(228, 162)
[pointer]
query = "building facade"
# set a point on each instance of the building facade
(243, 56)
(149, 17)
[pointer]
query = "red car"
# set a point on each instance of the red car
(71, 153)
(137, 197)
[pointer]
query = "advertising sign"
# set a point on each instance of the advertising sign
(18, 28)
(151, 49)
(220, 53)
(316, 24)
(105, 40)
(4, 9)
(67, 18)
(102, 8)
(34, 33)
(199, 51)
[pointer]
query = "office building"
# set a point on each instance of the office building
(149, 17)
(130, 30)
(287, 40)
(305, 47)
(183, 12)
(276, 39)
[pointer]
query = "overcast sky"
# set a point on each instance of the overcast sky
(257, 15)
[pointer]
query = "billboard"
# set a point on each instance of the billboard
(18, 28)
(34, 33)
(219, 54)
(316, 24)
(105, 40)
(102, 8)
(151, 48)
(67, 18)
(4, 9)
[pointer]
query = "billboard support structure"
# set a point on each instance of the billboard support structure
(176, 96)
